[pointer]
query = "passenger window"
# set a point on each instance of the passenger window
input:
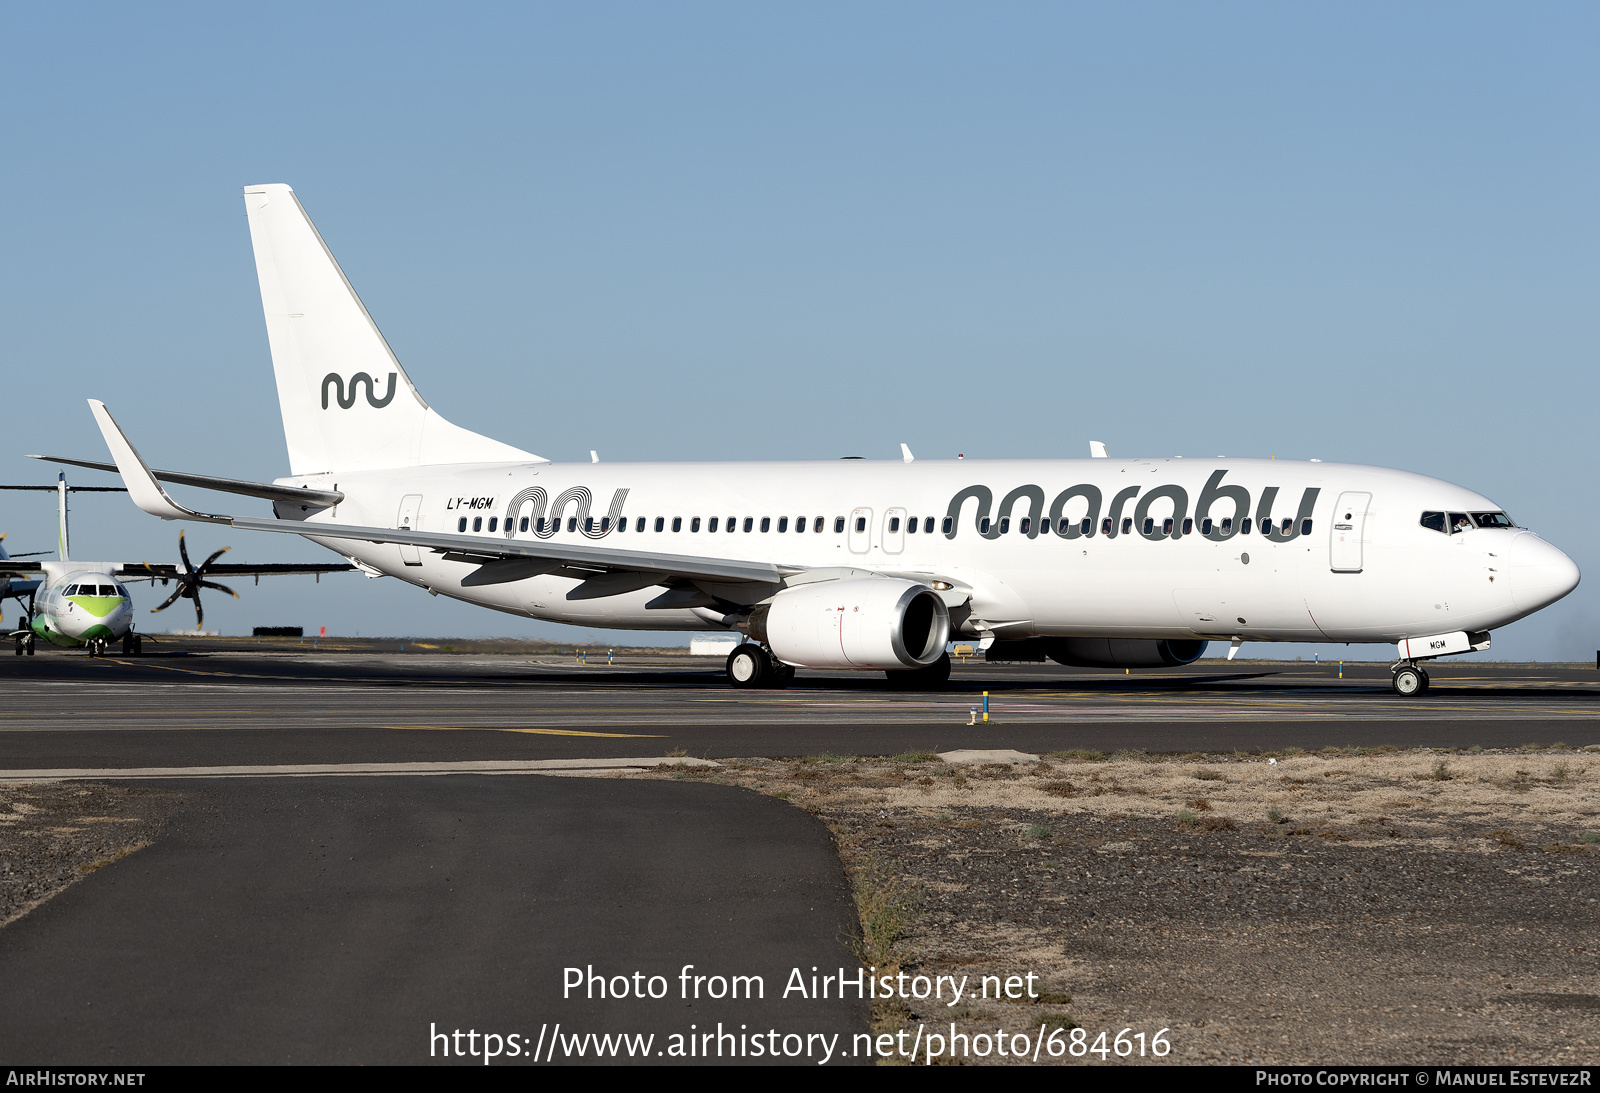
(477, 523)
(818, 528)
(894, 524)
(799, 524)
(588, 525)
(911, 526)
(461, 524)
(1088, 527)
(1288, 522)
(1127, 524)
(1460, 521)
(783, 524)
(694, 525)
(1149, 525)
(927, 525)
(1305, 526)
(661, 523)
(983, 526)
(1205, 526)
(711, 525)
(733, 524)
(1244, 526)
(522, 525)
(1227, 524)
(494, 521)
(1005, 525)
(949, 524)
(1024, 524)
(861, 523)
(640, 525)
(572, 523)
(1188, 524)
(677, 523)
(1105, 526)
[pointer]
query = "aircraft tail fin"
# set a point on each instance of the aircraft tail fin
(61, 515)
(347, 404)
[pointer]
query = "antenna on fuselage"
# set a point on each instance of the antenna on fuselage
(61, 515)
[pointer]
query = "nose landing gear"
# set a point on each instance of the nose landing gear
(1409, 681)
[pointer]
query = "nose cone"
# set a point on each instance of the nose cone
(1540, 574)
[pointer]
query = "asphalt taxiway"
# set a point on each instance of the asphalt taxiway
(65, 710)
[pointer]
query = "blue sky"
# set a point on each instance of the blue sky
(1358, 232)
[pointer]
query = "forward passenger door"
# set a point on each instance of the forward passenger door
(1348, 533)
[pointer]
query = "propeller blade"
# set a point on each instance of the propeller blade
(183, 552)
(199, 614)
(214, 556)
(218, 587)
(172, 599)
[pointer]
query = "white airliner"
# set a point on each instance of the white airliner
(856, 564)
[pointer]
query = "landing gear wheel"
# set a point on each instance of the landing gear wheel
(748, 666)
(782, 675)
(127, 645)
(27, 643)
(931, 677)
(21, 645)
(138, 645)
(1410, 681)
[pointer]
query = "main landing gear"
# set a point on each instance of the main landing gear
(132, 645)
(25, 640)
(1410, 681)
(752, 666)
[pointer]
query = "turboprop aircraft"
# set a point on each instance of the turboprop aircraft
(87, 604)
(855, 564)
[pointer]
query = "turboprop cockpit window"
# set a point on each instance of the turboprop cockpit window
(72, 590)
(1493, 520)
(1434, 521)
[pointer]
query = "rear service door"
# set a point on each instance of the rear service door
(1348, 533)
(408, 520)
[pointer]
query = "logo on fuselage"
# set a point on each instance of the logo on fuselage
(360, 379)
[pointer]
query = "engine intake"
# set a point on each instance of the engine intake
(881, 623)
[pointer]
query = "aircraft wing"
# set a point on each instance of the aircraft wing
(140, 571)
(540, 556)
(269, 490)
(9, 566)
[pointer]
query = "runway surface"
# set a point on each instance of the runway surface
(343, 920)
(66, 710)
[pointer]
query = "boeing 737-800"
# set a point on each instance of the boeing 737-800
(856, 564)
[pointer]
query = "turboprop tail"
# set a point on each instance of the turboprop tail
(347, 404)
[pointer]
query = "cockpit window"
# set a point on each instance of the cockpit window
(1493, 520)
(1460, 521)
(1433, 521)
(72, 590)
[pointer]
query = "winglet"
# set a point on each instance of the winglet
(1097, 449)
(142, 485)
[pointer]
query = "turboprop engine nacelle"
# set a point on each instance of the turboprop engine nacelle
(1123, 652)
(878, 622)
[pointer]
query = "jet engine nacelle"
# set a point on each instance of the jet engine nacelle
(882, 623)
(1123, 652)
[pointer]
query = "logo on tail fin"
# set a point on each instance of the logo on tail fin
(356, 381)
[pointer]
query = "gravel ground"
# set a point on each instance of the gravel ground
(54, 833)
(1391, 911)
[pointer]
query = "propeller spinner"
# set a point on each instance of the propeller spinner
(191, 581)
